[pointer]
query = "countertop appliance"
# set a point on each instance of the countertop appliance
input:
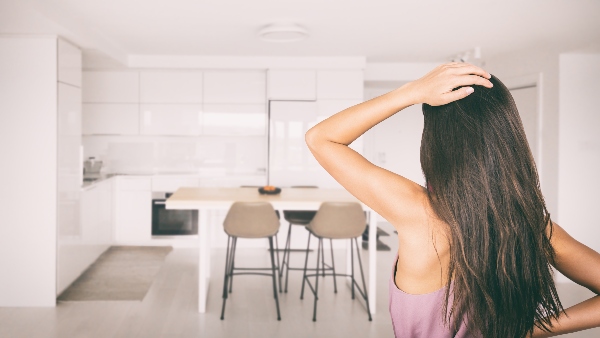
(91, 169)
(171, 222)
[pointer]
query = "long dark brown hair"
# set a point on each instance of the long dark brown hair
(482, 181)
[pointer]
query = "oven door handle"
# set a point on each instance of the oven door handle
(159, 202)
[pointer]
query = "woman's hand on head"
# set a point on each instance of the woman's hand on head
(448, 82)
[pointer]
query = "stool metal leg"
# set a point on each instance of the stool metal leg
(273, 270)
(333, 266)
(228, 259)
(305, 264)
(319, 252)
(288, 245)
(234, 244)
(278, 266)
(322, 262)
(362, 276)
(352, 264)
(287, 240)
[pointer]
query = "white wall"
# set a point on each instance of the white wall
(28, 148)
(532, 64)
(395, 143)
(579, 147)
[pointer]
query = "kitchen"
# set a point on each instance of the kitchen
(187, 116)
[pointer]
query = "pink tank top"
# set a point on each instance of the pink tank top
(416, 316)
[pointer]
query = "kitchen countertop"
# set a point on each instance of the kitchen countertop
(86, 185)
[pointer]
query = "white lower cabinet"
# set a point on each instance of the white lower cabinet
(82, 245)
(172, 183)
(133, 209)
(96, 218)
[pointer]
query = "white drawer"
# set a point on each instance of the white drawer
(135, 183)
(171, 184)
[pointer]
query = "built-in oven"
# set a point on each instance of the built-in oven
(171, 222)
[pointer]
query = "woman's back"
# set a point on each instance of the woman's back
(420, 315)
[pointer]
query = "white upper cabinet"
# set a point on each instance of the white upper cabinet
(234, 87)
(170, 119)
(170, 87)
(110, 87)
(69, 63)
(292, 84)
(110, 119)
(340, 84)
(234, 119)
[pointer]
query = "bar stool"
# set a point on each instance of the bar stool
(249, 220)
(298, 218)
(337, 220)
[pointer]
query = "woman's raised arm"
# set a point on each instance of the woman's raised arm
(582, 265)
(389, 194)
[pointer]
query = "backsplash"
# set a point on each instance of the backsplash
(178, 155)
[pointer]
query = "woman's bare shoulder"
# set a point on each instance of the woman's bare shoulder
(399, 200)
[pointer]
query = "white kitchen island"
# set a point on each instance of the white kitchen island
(207, 199)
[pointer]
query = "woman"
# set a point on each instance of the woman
(476, 247)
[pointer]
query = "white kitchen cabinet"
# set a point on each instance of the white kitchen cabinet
(234, 119)
(171, 87)
(100, 235)
(110, 119)
(233, 181)
(69, 158)
(327, 108)
(69, 63)
(234, 87)
(340, 84)
(172, 183)
(134, 183)
(78, 252)
(110, 87)
(70, 262)
(170, 119)
(292, 84)
(133, 209)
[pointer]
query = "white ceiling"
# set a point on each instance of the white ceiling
(383, 31)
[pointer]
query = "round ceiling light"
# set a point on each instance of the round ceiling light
(283, 32)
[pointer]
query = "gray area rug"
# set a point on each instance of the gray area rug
(120, 273)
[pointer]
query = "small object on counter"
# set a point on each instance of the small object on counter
(91, 169)
(269, 190)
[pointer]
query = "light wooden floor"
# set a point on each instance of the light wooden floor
(170, 307)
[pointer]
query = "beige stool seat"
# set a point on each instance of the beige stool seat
(336, 220)
(249, 220)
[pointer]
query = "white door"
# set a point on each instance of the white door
(526, 100)
(395, 144)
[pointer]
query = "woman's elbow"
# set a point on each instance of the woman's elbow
(312, 138)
